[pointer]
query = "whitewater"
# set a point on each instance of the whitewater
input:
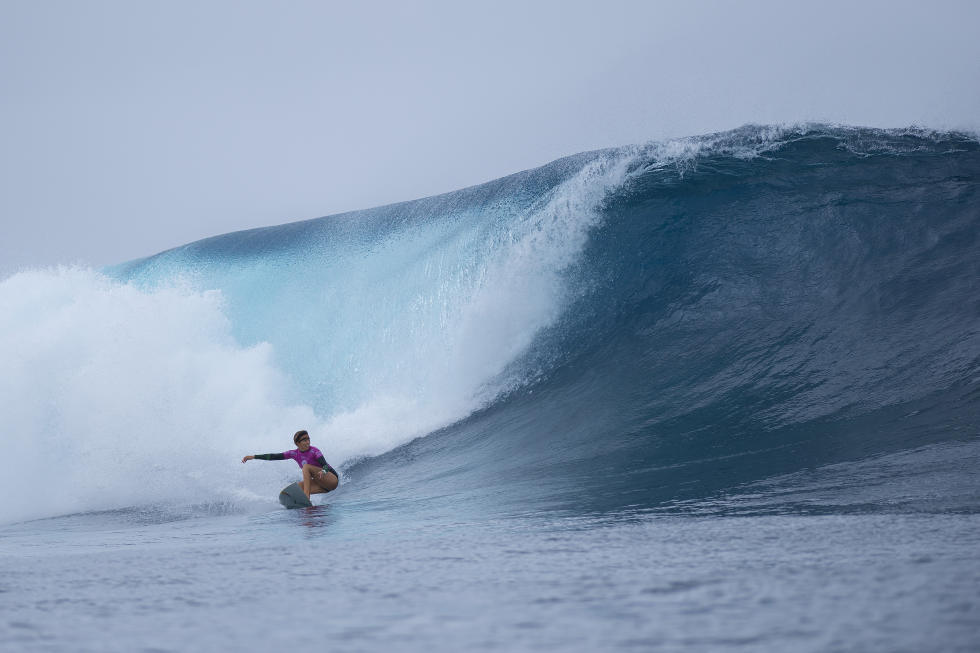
(713, 393)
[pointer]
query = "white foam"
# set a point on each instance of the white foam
(113, 397)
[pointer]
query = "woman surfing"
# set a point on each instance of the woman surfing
(318, 476)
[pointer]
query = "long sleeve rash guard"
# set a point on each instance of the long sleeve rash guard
(311, 456)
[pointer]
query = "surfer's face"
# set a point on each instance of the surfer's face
(303, 443)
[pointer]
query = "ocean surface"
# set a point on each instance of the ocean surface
(719, 393)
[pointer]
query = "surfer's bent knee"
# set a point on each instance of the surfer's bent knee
(327, 479)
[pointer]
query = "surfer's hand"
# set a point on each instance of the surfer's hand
(247, 458)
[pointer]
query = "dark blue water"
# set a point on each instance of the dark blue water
(713, 394)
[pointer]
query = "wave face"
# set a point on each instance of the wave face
(629, 327)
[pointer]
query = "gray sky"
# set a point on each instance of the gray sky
(127, 127)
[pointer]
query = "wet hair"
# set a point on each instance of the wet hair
(298, 435)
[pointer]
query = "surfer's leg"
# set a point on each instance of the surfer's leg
(323, 481)
(310, 484)
(307, 483)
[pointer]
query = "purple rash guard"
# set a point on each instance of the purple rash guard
(308, 457)
(311, 456)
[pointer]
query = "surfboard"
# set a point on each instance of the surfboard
(292, 497)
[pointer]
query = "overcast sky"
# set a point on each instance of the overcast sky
(128, 127)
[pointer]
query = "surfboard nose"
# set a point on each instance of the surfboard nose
(292, 496)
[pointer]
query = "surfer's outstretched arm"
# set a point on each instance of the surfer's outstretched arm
(265, 456)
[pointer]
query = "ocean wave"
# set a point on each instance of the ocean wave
(620, 327)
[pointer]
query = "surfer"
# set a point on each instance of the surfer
(318, 476)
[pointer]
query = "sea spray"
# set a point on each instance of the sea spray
(114, 396)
